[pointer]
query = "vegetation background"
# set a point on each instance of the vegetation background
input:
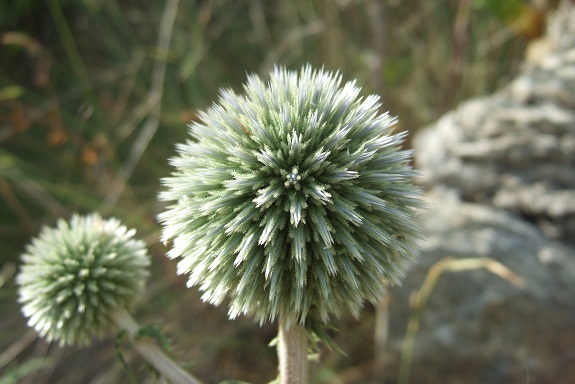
(94, 95)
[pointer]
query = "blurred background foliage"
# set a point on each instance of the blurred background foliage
(94, 97)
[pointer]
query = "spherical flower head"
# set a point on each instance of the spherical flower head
(75, 275)
(294, 199)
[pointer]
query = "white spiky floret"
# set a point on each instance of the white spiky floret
(293, 197)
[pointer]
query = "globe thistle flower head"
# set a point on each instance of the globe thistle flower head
(293, 198)
(73, 276)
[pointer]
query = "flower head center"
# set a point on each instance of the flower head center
(293, 178)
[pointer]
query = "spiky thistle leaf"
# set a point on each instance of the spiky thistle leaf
(293, 198)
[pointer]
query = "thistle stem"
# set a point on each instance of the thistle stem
(150, 351)
(292, 354)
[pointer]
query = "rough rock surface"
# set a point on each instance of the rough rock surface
(515, 149)
(501, 174)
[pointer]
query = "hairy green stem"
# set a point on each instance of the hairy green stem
(150, 351)
(292, 354)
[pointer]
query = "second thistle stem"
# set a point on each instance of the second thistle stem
(292, 354)
(156, 357)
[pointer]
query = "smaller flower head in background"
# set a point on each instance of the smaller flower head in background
(75, 275)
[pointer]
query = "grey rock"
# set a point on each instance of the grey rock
(478, 327)
(513, 150)
(500, 171)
